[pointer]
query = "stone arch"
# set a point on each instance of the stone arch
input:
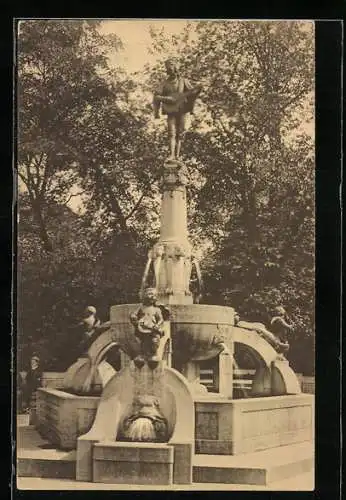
(84, 372)
(114, 402)
(117, 397)
(76, 375)
(184, 406)
(263, 351)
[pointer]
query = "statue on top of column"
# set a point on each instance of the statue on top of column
(177, 98)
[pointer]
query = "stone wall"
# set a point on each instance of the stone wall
(50, 379)
(54, 380)
(248, 425)
(62, 417)
(308, 385)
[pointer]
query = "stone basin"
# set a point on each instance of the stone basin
(197, 330)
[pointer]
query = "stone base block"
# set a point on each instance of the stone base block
(61, 417)
(182, 467)
(36, 458)
(46, 468)
(246, 425)
(213, 447)
(133, 463)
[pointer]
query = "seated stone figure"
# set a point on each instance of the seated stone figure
(279, 324)
(146, 423)
(148, 321)
(93, 357)
(92, 328)
(259, 328)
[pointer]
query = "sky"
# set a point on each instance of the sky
(135, 36)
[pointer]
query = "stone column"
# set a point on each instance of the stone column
(191, 371)
(172, 255)
(226, 373)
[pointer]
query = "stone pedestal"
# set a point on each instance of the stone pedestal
(133, 463)
(191, 371)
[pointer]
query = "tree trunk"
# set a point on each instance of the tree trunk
(251, 217)
(42, 230)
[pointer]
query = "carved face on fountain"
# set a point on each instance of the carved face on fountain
(146, 423)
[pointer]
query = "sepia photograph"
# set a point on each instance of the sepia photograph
(165, 329)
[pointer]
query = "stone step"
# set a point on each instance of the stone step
(37, 459)
(304, 482)
(259, 468)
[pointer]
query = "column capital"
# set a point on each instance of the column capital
(174, 175)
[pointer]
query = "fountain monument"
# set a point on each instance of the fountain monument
(150, 421)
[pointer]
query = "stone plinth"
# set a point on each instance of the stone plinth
(173, 205)
(62, 417)
(133, 463)
(247, 425)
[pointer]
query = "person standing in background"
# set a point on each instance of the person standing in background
(32, 382)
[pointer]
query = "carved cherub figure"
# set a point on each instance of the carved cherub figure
(148, 321)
